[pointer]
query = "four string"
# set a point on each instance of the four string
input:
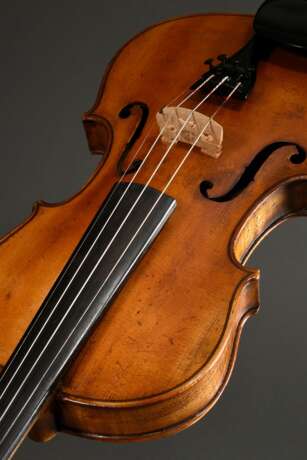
(116, 233)
(185, 99)
(190, 94)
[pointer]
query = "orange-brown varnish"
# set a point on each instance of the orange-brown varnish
(163, 353)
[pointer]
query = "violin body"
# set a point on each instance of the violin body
(162, 355)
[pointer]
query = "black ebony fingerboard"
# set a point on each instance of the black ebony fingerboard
(85, 288)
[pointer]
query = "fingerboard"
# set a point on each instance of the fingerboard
(112, 245)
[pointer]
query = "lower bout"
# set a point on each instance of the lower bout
(154, 418)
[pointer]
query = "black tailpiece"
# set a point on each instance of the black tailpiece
(241, 67)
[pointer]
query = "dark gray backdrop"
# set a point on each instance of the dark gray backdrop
(52, 58)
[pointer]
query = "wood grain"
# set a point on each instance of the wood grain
(162, 355)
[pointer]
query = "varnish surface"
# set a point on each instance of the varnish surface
(162, 354)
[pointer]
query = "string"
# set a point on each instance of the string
(127, 247)
(189, 95)
(109, 244)
(118, 230)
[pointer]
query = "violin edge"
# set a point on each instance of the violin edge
(76, 414)
(84, 417)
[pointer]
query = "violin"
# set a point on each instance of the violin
(121, 309)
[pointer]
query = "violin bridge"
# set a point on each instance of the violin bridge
(172, 119)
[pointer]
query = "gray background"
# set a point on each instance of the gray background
(52, 58)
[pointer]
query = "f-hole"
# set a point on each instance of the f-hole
(298, 157)
(125, 113)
